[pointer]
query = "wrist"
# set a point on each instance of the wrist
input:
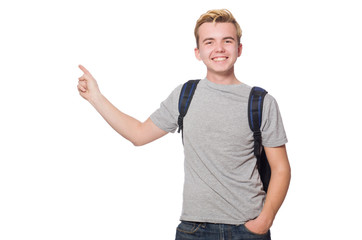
(266, 218)
(95, 99)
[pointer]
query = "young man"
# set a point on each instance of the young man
(223, 194)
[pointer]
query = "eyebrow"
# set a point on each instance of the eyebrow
(208, 39)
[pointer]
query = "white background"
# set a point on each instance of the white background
(65, 174)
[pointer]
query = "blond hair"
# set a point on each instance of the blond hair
(220, 16)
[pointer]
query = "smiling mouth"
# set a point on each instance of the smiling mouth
(219, 59)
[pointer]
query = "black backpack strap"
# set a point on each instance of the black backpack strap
(186, 94)
(255, 113)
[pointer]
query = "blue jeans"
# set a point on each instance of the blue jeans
(209, 231)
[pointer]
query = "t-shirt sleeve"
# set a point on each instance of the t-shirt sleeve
(166, 116)
(273, 133)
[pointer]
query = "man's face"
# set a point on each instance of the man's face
(218, 47)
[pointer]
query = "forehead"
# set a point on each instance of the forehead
(217, 30)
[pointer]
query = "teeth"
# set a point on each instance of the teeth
(219, 59)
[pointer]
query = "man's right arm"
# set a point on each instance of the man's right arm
(139, 133)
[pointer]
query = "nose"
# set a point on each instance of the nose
(219, 47)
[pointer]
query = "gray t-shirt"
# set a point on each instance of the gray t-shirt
(222, 184)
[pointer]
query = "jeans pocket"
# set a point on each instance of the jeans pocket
(188, 227)
(253, 233)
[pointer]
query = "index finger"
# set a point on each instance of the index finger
(85, 71)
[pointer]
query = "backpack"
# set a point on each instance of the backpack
(255, 110)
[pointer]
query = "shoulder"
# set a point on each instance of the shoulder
(269, 99)
(269, 102)
(270, 106)
(175, 93)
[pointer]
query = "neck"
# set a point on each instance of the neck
(225, 79)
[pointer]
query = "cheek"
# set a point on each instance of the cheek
(205, 53)
(202, 55)
(234, 53)
(233, 50)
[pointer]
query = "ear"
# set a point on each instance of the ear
(240, 48)
(197, 54)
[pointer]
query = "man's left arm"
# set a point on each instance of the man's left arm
(277, 190)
